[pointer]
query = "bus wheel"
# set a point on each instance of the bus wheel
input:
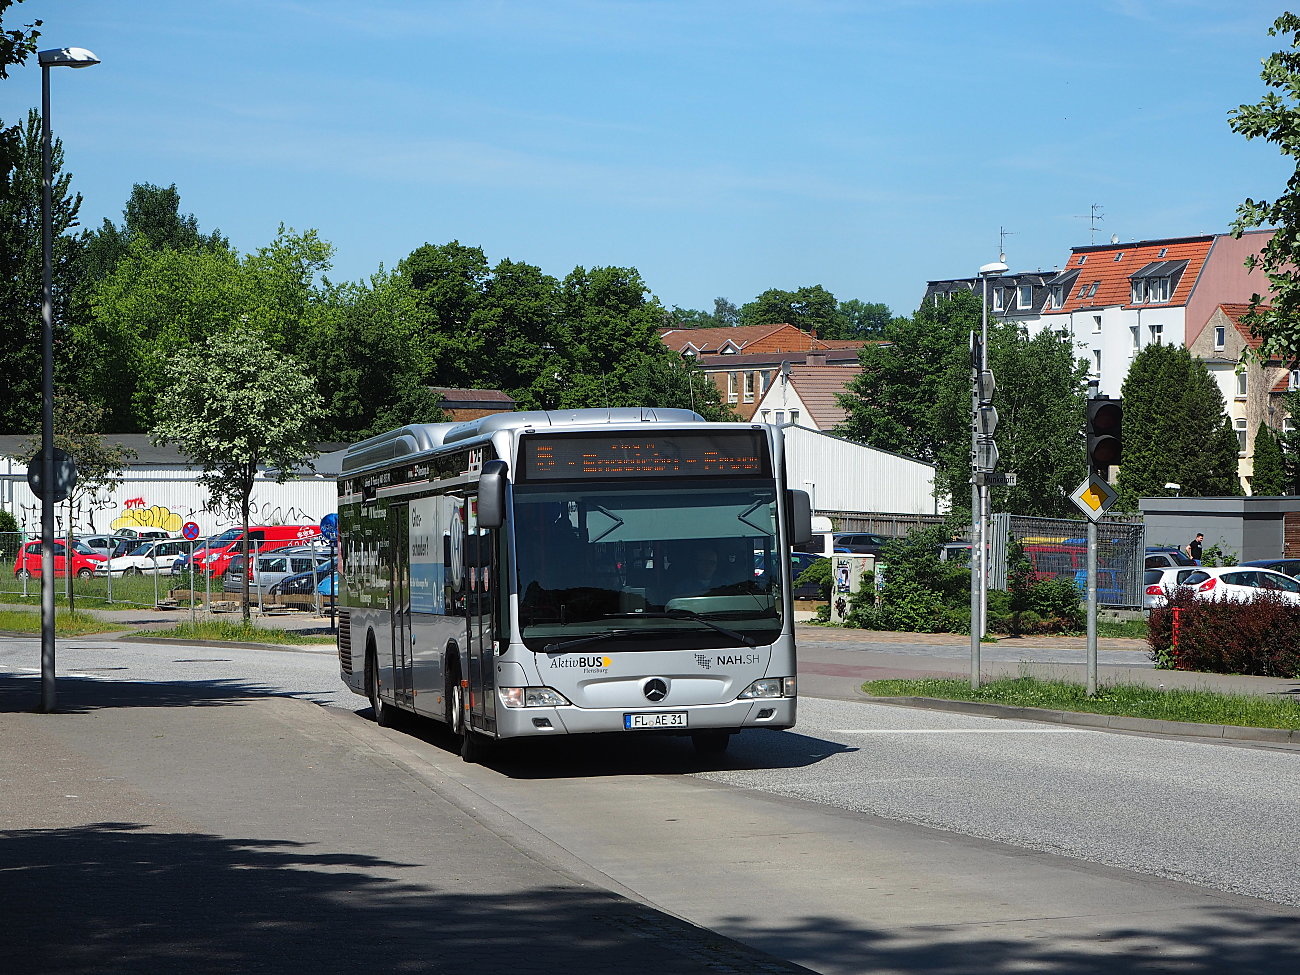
(380, 710)
(710, 742)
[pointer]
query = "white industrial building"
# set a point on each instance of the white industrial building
(841, 475)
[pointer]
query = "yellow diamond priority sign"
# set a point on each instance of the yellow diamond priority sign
(1094, 497)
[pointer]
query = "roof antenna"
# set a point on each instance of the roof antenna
(1092, 218)
(1003, 234)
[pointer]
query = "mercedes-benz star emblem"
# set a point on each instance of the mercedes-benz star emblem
(655, 689)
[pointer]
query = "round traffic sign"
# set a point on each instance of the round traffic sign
(190, 530)
(65, 475)
(329, 527)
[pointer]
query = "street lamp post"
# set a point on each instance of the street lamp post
(981, 430)
(67, 57)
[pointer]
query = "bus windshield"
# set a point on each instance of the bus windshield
(668, 566)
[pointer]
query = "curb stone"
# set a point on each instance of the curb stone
(1106, 722)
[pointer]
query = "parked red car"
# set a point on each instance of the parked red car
(84, 559)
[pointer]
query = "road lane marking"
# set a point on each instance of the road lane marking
(964, 731)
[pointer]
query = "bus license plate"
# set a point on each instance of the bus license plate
(662, 719)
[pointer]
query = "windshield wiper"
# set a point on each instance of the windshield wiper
(583, 641)
(686, 614)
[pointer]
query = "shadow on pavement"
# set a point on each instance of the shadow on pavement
(80, 695)
(117, 898)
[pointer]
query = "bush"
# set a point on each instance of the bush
(1260, 638)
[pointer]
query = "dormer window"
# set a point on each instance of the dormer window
(1025, 296)
(999, 299)
(1056, 297)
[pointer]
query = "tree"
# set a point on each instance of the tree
(1174, 429)
(77, 427)
(15, 47)
(862, 320)
(21, 264)
(153, 213)
(1040, 404)
(156, 302)
(913, 395)
(811, 308)
(262, 415)
(1269, 473)
(1276, 118)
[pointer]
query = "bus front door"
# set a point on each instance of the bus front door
(399, 599)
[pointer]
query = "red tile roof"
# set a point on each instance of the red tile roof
(781, 337)
(1235, 312)
(818, 386)
(1110, 267)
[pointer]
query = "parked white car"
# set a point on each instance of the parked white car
(1159, 582)
(147, 557)
(1241, 583)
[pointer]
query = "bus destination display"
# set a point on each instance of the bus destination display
(613, 456)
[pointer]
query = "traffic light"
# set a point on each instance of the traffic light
(1105, 434)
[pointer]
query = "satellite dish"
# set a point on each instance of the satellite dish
(1114, 238)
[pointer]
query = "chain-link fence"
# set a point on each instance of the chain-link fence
(1058, 549)
(117, 572)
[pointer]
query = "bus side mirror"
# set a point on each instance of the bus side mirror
(799, 511)
(492, 494)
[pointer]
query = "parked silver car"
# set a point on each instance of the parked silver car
(270, 567)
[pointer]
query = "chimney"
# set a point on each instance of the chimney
(817, 358)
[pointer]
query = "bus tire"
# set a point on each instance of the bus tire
(710, 742)
(381, 712)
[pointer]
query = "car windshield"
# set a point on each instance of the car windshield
(645, 569)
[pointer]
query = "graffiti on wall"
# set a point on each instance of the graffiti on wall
(137, 514)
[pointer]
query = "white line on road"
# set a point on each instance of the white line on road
(964, 731)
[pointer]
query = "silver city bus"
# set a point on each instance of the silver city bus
(571, 572)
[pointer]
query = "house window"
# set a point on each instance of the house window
(1093, 290)
(1119, 256)
(1025, 299)
(1096, 323)
(999, 299)
(1083, 289)
(1096, 362)
(1158, 289)
(1241, 384)
(780, 417)
(1163, 252)
(732, 396)
(1294, 384)
(1136, 333)
(1288, 425)
(1220, 336)
(1157, 332)
(1240, 426)
(1082, 258)
(762, 378)
(748, 379)
(1057, 297)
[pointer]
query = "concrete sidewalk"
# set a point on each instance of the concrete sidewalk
(165, 828)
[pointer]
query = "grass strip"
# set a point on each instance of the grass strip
(229, 632)
(65, 623)
(1129, 700)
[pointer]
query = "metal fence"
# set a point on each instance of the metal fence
(1057, 548)
(158, 582)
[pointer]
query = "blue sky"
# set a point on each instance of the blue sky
(722, 148)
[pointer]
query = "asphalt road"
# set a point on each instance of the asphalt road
(1216, 815)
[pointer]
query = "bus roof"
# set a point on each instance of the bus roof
(418, 438)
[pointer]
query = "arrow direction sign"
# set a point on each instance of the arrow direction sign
(1094, 497)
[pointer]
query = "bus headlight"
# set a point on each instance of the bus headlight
(531, 697)
(768, 687)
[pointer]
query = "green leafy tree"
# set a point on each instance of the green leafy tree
(1040, 404)
(370, 362)
(151, 212)
(1276, 118)
(16, 45)
(157, 302)
(1175, 429)
(861, 320)
(1289, 440)
(1269, 473)
(21, 262)
(261, 416)
(810, 308)
(78, 430)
